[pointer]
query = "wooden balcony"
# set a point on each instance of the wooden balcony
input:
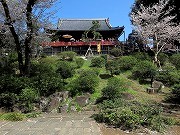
(78, 43)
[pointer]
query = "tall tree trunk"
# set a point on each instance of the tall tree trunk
(29, 22)
(9, 22)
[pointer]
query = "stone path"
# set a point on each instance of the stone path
(52, 124)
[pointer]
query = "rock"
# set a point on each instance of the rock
(63, 109)
(82, 100)
(73, 108)
(52, 102)
(43, 104)
(127, 96)
(156, 87)
(157, 84)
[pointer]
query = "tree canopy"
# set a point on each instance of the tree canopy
(148, 21)
(22, 20)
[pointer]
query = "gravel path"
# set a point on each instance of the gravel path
(52, 124)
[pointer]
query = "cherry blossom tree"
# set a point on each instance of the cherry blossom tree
(153, 23)
(23, 19)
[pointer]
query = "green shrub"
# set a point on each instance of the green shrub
(27, 97)
(105, 57)
(132, 115)
(67, 55)
(12, 57)
(144, 70)
(163, 58)
(175, 94)
(79, 62)
(65, 69)
(112, 66)
(114, 88)
(13, 116)
(88, 83)
(41, 67)
(116, 52)
(91, 71)
(141, 56)
(175, 58)
(8, 100)
(127, 62)
(96, 70)
(85, 82)
(8, 64)
(111, 104)
(47, 84)
(98, 62)
(176, 90)
(13, 84)
(32, 115)
(169, 75)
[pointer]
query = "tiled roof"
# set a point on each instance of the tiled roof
(83, 24)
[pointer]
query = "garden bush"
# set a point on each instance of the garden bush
(105, 56)
(144, 70)
(163, 58)
(8, 64)
(87, 81)
(141, 56)
(175, 94)
(116, 52)
(13, 84)
(79, 62)
(7, 100)
(127, 62)
(27, 97)
(132, 115)
(14, 116)
(47, 84)
(169, 75)
(98, 62)
(176, 91)
(38, 68)
(113, 89)
(175, 58)
(67, 55)
(112, 66)
(65, 69)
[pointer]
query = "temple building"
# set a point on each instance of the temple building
(68, 36)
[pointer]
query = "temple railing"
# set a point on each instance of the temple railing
(78, 43)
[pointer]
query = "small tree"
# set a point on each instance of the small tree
(126, 62)
(116, 52)
(153, 23)
(87, 81)
(93, 30)
(175, 60)
(112, 66)
(67, 55)
(79, 62)
(65, 69)
(114, 88)
(144, 70)
(22, 20)
(98, 62)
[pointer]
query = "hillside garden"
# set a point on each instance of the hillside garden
(116, 85)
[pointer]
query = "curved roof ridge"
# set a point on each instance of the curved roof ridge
(83, 24)
(85, 19)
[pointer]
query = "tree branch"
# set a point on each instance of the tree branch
(14, 34)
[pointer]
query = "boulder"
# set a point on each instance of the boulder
(156, 87)
(82, 100)
(52, 102)
(127, 96)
